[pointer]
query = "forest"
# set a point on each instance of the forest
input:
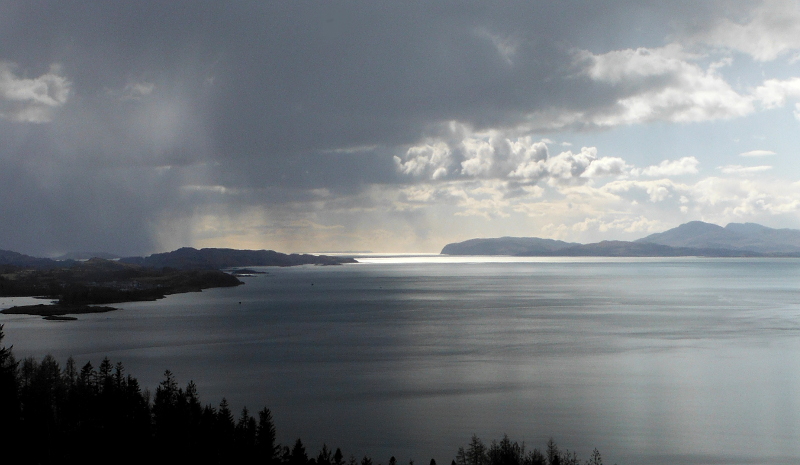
(88, 415)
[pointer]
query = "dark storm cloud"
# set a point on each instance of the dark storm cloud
(266, 98)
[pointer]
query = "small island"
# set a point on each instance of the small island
(56, 311)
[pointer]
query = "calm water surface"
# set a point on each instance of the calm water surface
(652, 361)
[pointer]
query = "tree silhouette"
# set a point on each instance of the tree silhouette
(9, 400)
(267, 448)
(475, 453)
(298, 455)
(225, 431)
(553, 454)
(338, 457)
(324, 456)
(595, 458)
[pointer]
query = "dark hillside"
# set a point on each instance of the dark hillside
(506, 246)
(190, 258)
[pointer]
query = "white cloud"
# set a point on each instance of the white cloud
(774, 92)
(137, 90)
(505, 46)
(480, 157)
(431, 160)
(483, 198)
(666, 86)
(658, 190)
(757, 153)
(567, 167)
(496, 155)
(31, 100)
(529, 159)
(735, 198)
(773, 30)
(606, 166)
(628, 224)
(743, 170)
(627, 65)
(217, 189)
(685, 165)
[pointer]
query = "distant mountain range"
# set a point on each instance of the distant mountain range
(695, 238)
(735, 236)
(182, 259)
(9, 258)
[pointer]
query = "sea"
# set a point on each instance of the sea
(649, 360)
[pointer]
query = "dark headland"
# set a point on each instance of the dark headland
(695, 238)
(89, 286)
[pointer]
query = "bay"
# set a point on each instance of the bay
(652, 361)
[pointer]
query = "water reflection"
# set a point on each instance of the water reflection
(651, 361)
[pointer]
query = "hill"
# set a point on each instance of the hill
(506, 246)
(99, 281)
(190, 258)
(735, 236)
(79, 286)
(644, 249)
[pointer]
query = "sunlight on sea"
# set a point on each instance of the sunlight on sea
(412, 258)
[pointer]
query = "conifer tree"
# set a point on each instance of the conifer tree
(104, 374)
(87, 378)
(535, 457)
(475, 454)
(298, 455)
(245, 431)
(165, 405)
(324, 456)
(553, 454)
(225, 431)
(266, 443)
(119, 377)
(338, 457)
(70, 373)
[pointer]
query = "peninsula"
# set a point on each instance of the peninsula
(695, 238)
(88, 286)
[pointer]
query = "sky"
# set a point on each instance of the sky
(141, 127)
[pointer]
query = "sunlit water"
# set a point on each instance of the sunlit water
(652, 361)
